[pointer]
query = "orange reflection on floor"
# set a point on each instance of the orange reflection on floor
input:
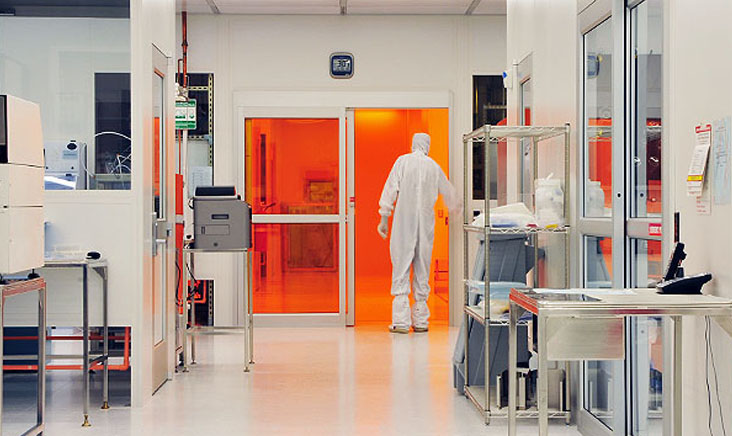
(380, 137)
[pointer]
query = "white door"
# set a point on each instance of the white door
(160, 221)
(295, 180)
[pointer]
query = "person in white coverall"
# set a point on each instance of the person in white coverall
(414, 182)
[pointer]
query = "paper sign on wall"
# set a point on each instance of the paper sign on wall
(704, 202)
(699, 158)
(722, 169)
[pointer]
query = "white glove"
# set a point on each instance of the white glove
(383, 227)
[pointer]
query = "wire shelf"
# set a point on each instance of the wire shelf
(497, 133)
(515, 230)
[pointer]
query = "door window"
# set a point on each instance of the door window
(598, 119)
(647, 77)
(292, 182)
(159, 183)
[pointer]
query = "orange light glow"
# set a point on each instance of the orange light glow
(292, 169)
(292, 166)
(295, 268)
(380, 137)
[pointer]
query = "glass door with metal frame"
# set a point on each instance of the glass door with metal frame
(294, 181)
(621, 216)
(644, 213)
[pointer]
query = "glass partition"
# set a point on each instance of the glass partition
(598, 119)
(77, 69)
(647, 75)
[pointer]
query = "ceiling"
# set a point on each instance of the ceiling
(349, 7)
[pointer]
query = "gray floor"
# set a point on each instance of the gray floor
(330, 381)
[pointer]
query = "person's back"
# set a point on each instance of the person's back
(414, 183)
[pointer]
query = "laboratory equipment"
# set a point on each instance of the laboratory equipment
(221, 219)
(21, 186)
(674, 281)
(65, 165)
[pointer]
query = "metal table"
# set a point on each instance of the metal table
(572, 326)
(17, 288)
(100, 267)
(247, 330)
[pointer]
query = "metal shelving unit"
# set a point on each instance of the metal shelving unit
(486, 399)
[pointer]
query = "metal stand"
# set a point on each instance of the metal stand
(247, 330)
(585, 330)
(99, 267)
(488, 136)
(18, 288)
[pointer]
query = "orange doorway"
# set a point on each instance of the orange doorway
(382, 135)
(292, 173)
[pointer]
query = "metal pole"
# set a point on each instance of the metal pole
(105, 308)
(247, 326)
(2, 351)
(41, 412)
(85, 328)
(542, 383)
(467, 144)
(193, 317)
(184, 322)
(512, 363)
(250, 288)
(487, 279)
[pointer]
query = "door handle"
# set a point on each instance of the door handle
(161, 231)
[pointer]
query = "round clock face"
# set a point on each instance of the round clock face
(341, 65)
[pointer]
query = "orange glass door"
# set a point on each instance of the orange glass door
(378, 138)
(294, 169)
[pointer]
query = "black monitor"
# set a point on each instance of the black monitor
(674, 263)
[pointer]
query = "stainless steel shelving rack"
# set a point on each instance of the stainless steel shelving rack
(481, 396)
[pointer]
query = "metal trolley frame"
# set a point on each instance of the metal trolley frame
(190, 314)
(18, 288)
(489, 135)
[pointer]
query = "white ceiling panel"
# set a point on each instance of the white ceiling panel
(193, 6)
(408, 6)
(332, 7)
(491, 7)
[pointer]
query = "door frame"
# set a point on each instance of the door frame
(300, 319)
(621, 227)
(287, 104)
(161, 257)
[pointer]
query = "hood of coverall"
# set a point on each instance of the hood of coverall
(421, 142)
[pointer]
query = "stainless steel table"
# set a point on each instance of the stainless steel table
(17, 288)
(247, 330)
(585, 324)
(100, 267)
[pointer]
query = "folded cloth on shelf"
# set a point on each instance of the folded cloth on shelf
(511, 215)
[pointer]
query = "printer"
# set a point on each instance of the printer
(21, 186)
(222, 220)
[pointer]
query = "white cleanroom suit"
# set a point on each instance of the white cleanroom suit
(414, 182)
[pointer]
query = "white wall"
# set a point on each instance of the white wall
(546, 30)
(52, 62)
(700, 91)
(290, 53)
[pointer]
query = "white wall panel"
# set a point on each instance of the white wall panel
(250, 54)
